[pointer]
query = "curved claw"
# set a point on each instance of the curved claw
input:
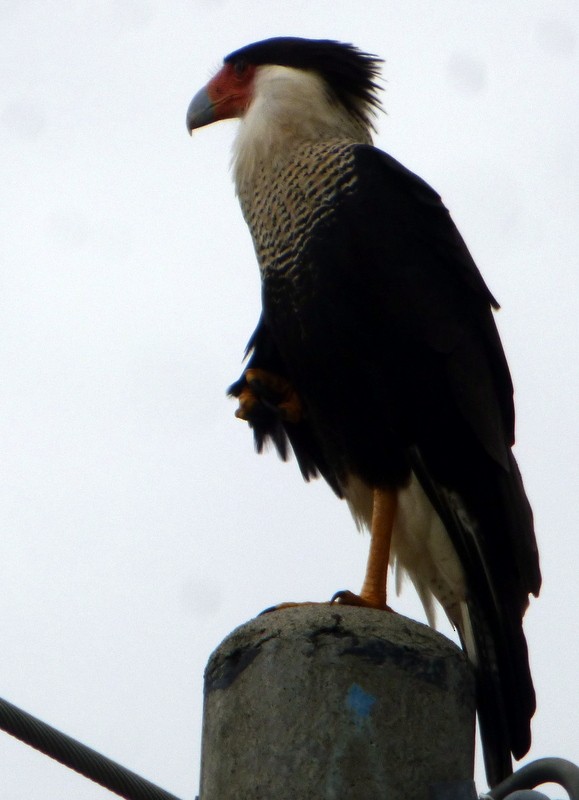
(347, 598)
(247, 403)
(281, 606)
(342, 597)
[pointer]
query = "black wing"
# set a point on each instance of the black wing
(421, 285)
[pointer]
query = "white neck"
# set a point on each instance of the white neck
(290, 107)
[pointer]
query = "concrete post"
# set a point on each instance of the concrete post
(335, 703)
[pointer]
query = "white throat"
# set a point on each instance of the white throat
(289, 108)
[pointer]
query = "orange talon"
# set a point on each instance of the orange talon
(282, 606)
(247, 402)
(281, 393)
(347, 598)
(262, 378)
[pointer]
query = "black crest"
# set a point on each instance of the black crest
(350, 73)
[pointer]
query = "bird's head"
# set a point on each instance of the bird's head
(287, 72)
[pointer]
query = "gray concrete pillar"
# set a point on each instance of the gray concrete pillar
(335, 703)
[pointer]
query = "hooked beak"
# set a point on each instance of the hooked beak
(226, 96)
(201, 111)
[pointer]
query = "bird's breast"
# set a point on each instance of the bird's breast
(284, 206)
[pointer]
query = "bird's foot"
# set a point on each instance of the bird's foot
(272, 390)
(347, 598)
(343, 597)
(247, 402)
(282, 606)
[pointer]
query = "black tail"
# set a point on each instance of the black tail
(495, 543)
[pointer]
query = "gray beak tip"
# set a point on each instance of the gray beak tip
(200, 111)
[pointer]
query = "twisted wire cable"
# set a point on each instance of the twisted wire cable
(77, 756)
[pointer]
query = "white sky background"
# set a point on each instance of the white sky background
(138, 527)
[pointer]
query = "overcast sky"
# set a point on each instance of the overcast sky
(138, 527)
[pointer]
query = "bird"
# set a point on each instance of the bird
(376, 358)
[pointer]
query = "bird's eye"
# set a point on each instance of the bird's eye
(239, 68)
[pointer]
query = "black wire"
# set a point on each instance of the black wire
(78, 756)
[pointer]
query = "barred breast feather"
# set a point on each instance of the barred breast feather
(284, 208)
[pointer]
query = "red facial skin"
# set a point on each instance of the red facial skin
(230, 90)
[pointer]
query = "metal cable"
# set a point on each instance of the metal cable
(77, 756)
(544, 770)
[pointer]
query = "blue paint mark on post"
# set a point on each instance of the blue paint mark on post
(360, 704)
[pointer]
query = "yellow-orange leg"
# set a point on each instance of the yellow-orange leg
(373, 592)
